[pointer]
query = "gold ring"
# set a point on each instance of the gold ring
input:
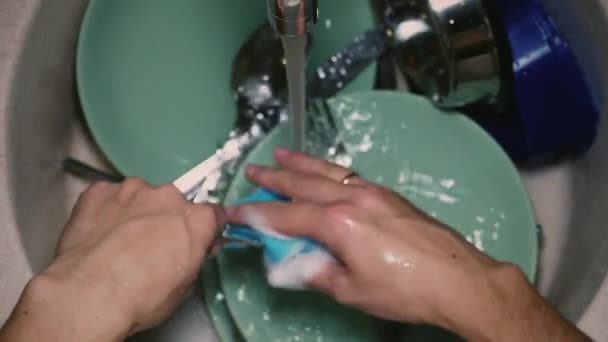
(346, 180)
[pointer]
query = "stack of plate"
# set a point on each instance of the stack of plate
(153, 78)
(154, 75)
(443, 162)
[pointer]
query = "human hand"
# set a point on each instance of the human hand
(395, 262)
(128, 256)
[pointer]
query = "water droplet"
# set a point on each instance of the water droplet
(448, 183)
(249, 331)
(321, 73)
(240, 294)
(447, 199)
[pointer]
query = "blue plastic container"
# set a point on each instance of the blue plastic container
(555, 110)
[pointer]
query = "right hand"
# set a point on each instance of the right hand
(395, 261)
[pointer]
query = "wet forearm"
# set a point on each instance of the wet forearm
(44, 314)
(508, 309)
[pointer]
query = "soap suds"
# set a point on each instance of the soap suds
(241, 295)
(297, 272)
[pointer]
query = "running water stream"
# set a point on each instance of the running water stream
(295, 60)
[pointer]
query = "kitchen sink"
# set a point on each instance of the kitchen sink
(41, 123)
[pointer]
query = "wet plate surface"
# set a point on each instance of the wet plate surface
(442, 162)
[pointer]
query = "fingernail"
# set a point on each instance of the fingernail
(252, 170)
(282, 152)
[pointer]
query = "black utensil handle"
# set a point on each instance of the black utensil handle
(346, 65)
(386, 78)
(80, 169)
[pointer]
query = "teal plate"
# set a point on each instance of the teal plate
(443, 162)
(154, 75)
(215, 301)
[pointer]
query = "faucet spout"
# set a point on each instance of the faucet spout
(292, 17)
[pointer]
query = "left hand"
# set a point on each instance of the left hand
(128, 256)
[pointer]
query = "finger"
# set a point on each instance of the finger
(129, 187)
(93, 198)
(299, 186)
(332, 280)
(203, 222)
(305, 164)
(319, 190)
(292, 219)
(368, 195)
(160, 199)
(82, 221)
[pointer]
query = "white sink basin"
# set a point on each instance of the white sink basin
(40, 124)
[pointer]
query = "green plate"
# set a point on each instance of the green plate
(443, 162)
(153, 75)
(215, 301)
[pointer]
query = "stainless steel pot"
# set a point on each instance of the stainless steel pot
(446, 47)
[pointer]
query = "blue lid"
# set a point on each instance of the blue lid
(556, 110)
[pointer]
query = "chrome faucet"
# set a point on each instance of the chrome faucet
(292, 17)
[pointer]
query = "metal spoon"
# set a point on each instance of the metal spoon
(259, 79)
(259, 83)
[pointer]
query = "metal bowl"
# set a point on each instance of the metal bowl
(446, 48)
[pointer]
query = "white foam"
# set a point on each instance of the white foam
(254, 219)
(297, 272)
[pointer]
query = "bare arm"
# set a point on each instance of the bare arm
(50, 311)
(507, 308)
